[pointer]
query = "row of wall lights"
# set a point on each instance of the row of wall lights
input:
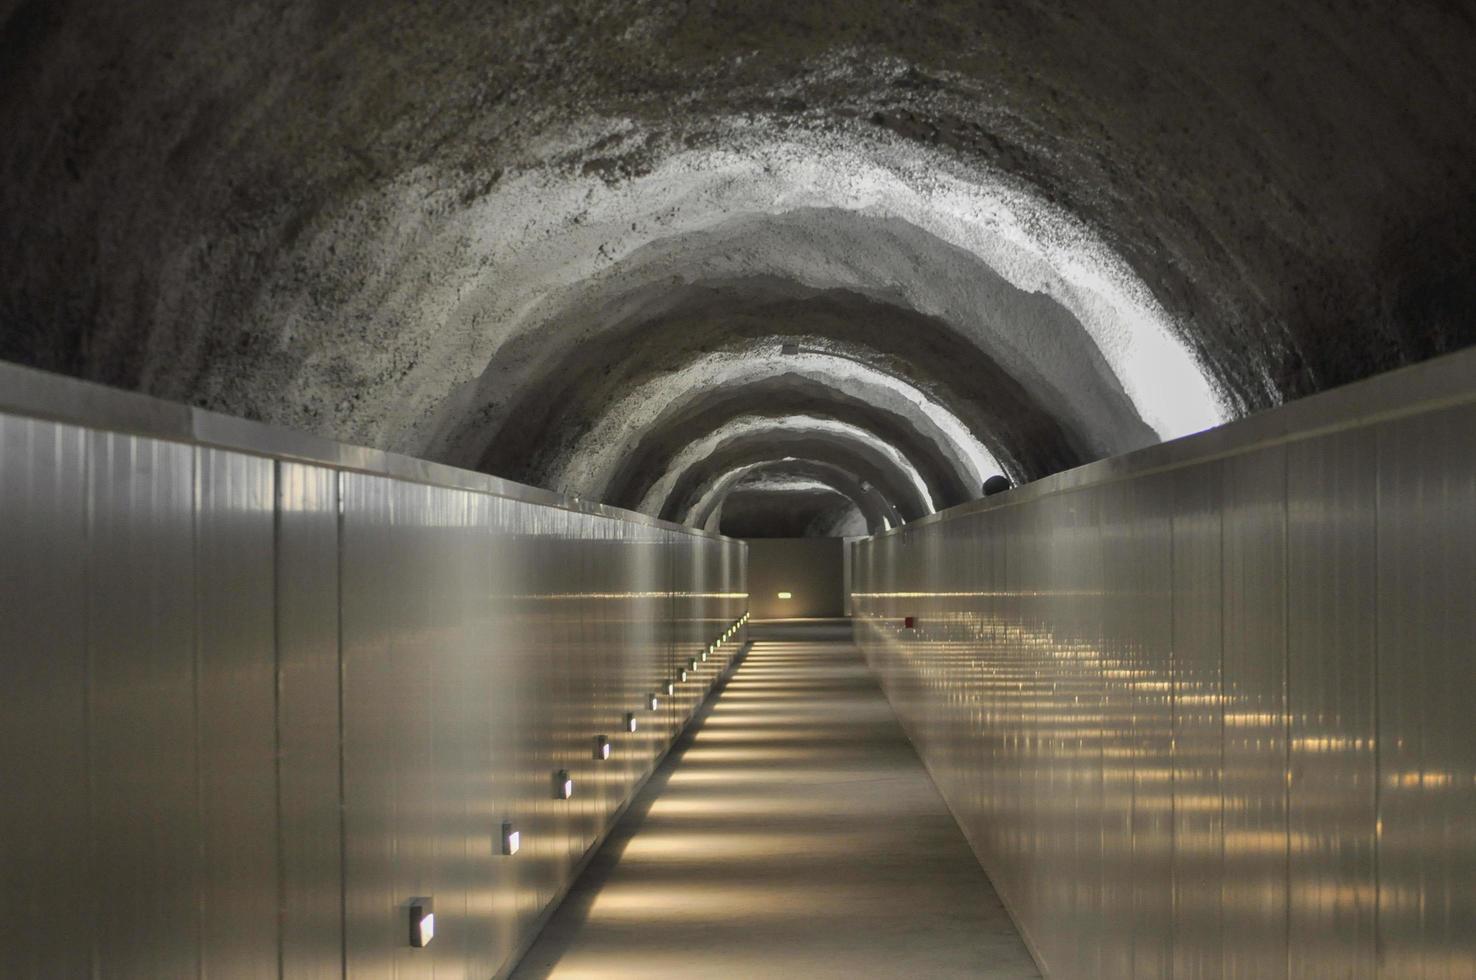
(422, 909)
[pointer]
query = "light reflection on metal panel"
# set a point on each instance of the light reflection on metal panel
(48, 931)
(173, 621)
(1198, 759)
(236, 729)
(1254, 786)
(140, 609)
(486, 642)
(307, 721)
(1426, 675)
(1210, 718)
(1331, 599)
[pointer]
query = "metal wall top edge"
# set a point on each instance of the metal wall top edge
(1435, 384)
(34, 393)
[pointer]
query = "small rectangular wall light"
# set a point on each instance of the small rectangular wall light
(511, 839)
(422, 922)
(786, 595)
(563, 785)
(630, 721)
(652, 703)
(682, 676)
(706, 652)
(670, 688)
(602, 747)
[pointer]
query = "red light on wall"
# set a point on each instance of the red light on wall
(909, 622)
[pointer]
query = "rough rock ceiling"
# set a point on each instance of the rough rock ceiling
(787, 265)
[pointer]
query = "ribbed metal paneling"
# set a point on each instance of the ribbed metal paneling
(1332, 798)
(236, 731)
(1205, 711)
(46, 928)
(311, 845)
(140, 608)
(262, 691)
(1426, 670)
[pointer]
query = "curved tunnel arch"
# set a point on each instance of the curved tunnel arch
(991, 354)
(778, 397)
(689, 483)
(878, 512)
(657, 405)
(1069, 237)
(791, 509)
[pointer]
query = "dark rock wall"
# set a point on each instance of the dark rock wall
(546, 238)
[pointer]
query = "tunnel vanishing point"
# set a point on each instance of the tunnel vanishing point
(484, 487)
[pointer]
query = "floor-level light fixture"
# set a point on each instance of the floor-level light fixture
(602, 747)
(511, 839)
(563, 785)
(422, 921)
(652, 702)
(630, 721)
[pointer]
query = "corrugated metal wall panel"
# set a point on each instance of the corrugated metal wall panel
(236, 731)
(311, 842)
(1208, 715)
(48, 926)
(255, 704)
(139, 605)
(1426, 675)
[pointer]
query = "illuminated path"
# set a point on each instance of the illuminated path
(798, 835)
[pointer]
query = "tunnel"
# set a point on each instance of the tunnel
(498, 490)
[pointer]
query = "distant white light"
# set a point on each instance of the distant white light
(786, 595)
(422, 922)
(511, 839)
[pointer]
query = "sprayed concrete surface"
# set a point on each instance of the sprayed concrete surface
(562, 242)
(797, 835)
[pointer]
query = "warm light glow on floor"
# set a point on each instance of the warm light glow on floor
(796, 836)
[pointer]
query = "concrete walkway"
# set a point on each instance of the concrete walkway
(797, 835)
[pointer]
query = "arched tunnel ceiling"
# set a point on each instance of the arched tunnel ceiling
(950, 479)
(680, 492)
(790, 511)
(752, 494)
(567, 243)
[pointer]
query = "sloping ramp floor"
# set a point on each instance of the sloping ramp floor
(796, 835)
